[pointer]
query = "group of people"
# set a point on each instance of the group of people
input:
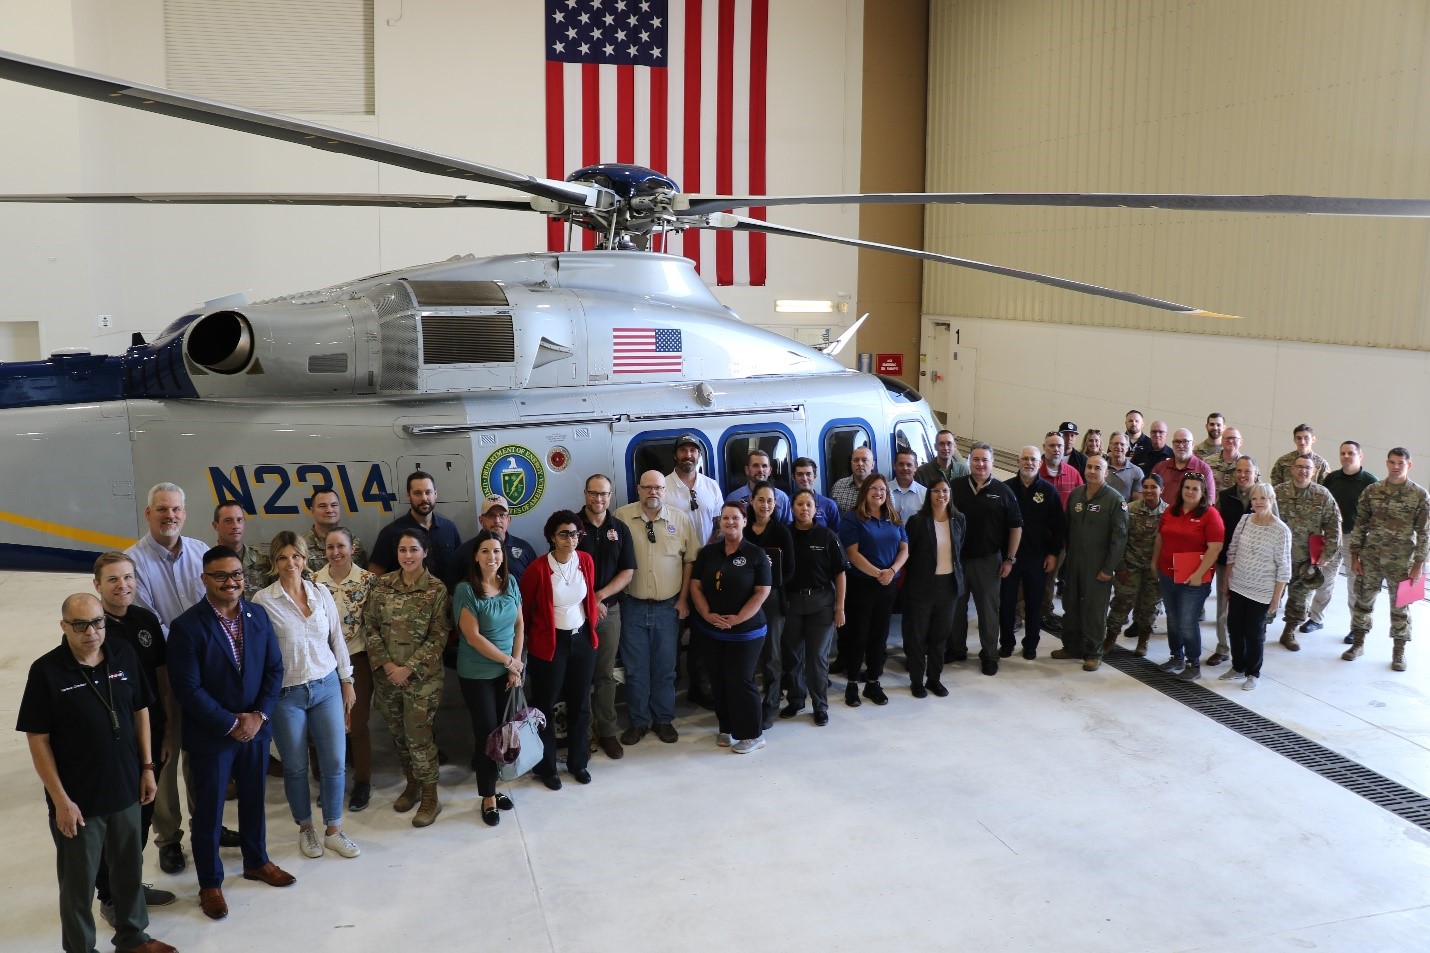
(224, 648)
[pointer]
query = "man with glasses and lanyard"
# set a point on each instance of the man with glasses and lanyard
(85, 714)
(656, 601)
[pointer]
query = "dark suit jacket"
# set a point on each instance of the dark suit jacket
(923, 553)
(207, 682)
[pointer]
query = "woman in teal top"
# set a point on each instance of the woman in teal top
(487, 609)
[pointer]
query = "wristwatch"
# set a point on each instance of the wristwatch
(149, 765)
(1011, 559)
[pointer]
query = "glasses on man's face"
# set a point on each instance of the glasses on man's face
(235, 576)
(569, 534)
(600, 495)
(84, 625)
(650, 531)
(1180, 443)
(648, 488)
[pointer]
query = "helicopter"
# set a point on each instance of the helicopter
(516, 375)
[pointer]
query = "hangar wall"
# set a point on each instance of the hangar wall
(464, 79)
(1280, 96)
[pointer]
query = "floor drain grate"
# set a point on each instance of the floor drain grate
(1396, 798)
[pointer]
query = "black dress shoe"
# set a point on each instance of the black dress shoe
(581, 775)
(949, 657)
(1030, 652)
(875, 693)
(918, 691)
(851, 695)
(790, 710)
(821, 718)
(490, 816)
(362, 794)
(1310, 626)
(989, 666)
(504, 802)
(1005, 651)
(936, 689)
(228, 837)
(552, 780)
(171, 859)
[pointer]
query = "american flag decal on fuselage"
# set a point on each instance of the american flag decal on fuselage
(647, 351)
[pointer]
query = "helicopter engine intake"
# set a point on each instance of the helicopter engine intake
(221, 342)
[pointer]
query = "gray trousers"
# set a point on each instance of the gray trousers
(118, 837)
(808, 635)
(771, 661)
(603, 687)
(983, 586)
(168, 818)
(1332, 568)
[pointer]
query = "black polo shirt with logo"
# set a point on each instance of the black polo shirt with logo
(610, 548)
(990, 512)
(140, 628)
(71, 703)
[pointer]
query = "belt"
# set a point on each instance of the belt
(810, 592)
(638, 599)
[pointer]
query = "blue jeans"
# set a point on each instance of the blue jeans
(1184, 609)
(650, 636)
(313, 709)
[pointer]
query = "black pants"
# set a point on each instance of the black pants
(928, 621)
(732, 680)
(865, 636)
(486, 700)
(1246, 631)
(567, 677)
(1028, 572)
(809, 629)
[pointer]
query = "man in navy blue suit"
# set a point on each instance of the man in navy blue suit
(226, 670)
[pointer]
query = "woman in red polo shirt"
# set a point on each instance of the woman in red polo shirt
(1188, 540)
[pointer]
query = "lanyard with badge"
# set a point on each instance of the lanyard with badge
(109, 705)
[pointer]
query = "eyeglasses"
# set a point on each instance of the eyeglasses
(598, 493)
(650, 531)
(1180, 443)
(569, 534)
(236, 576)
(84, 625)
(651, 489)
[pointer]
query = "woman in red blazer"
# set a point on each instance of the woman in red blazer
(559, 607)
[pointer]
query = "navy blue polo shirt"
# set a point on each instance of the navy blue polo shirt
(446, 540)
(727, 580)
(1042, 511)
(990, 512)
(71, 703)
(878, 540)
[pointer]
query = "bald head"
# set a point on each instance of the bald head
(81, 605)
(652, 491)
(1182, 445)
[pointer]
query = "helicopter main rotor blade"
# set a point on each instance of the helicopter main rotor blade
(1263, 204)
(742, 224)
(356, 200)
(105, 89)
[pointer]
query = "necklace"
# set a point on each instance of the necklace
(566, 571)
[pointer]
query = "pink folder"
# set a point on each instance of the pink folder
(1410, 590)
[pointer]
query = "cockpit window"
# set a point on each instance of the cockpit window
(911, 435)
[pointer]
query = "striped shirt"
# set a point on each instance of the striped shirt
(1259, 557)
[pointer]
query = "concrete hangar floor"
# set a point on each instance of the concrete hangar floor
(1044, 809)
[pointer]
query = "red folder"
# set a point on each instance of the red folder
(1184, 564)
(1317, 544)
(1410, 590)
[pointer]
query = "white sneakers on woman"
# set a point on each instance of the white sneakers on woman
(338, 842)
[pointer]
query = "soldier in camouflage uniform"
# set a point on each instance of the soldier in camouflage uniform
(405, 623)
(1389, 543)
(1223, 464)
(1310, 510)
(1136, 591)
(228, 527)
(1211, 447)
(1305, 437)
(327, 510)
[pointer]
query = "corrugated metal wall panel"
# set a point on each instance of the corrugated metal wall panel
(291, 56)
(1294, 96)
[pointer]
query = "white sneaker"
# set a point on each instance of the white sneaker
(724, 740)
(1229, 674)
(341, 844)
(309, 844)
(1249, 684)
(748, 745)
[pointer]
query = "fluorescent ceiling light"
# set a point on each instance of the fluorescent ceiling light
(798, 306)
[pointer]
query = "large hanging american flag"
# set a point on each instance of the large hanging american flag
(676, 85)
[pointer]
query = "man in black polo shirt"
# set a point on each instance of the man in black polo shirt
(421, 514)
(85, 714)
(608, 543)
(116, 582)
(995, 527)
(1042, 511)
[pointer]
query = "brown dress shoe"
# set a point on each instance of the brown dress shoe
(271, 874)
(213, 904)
(148, 946)
(612, 746)
(1064, 654)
